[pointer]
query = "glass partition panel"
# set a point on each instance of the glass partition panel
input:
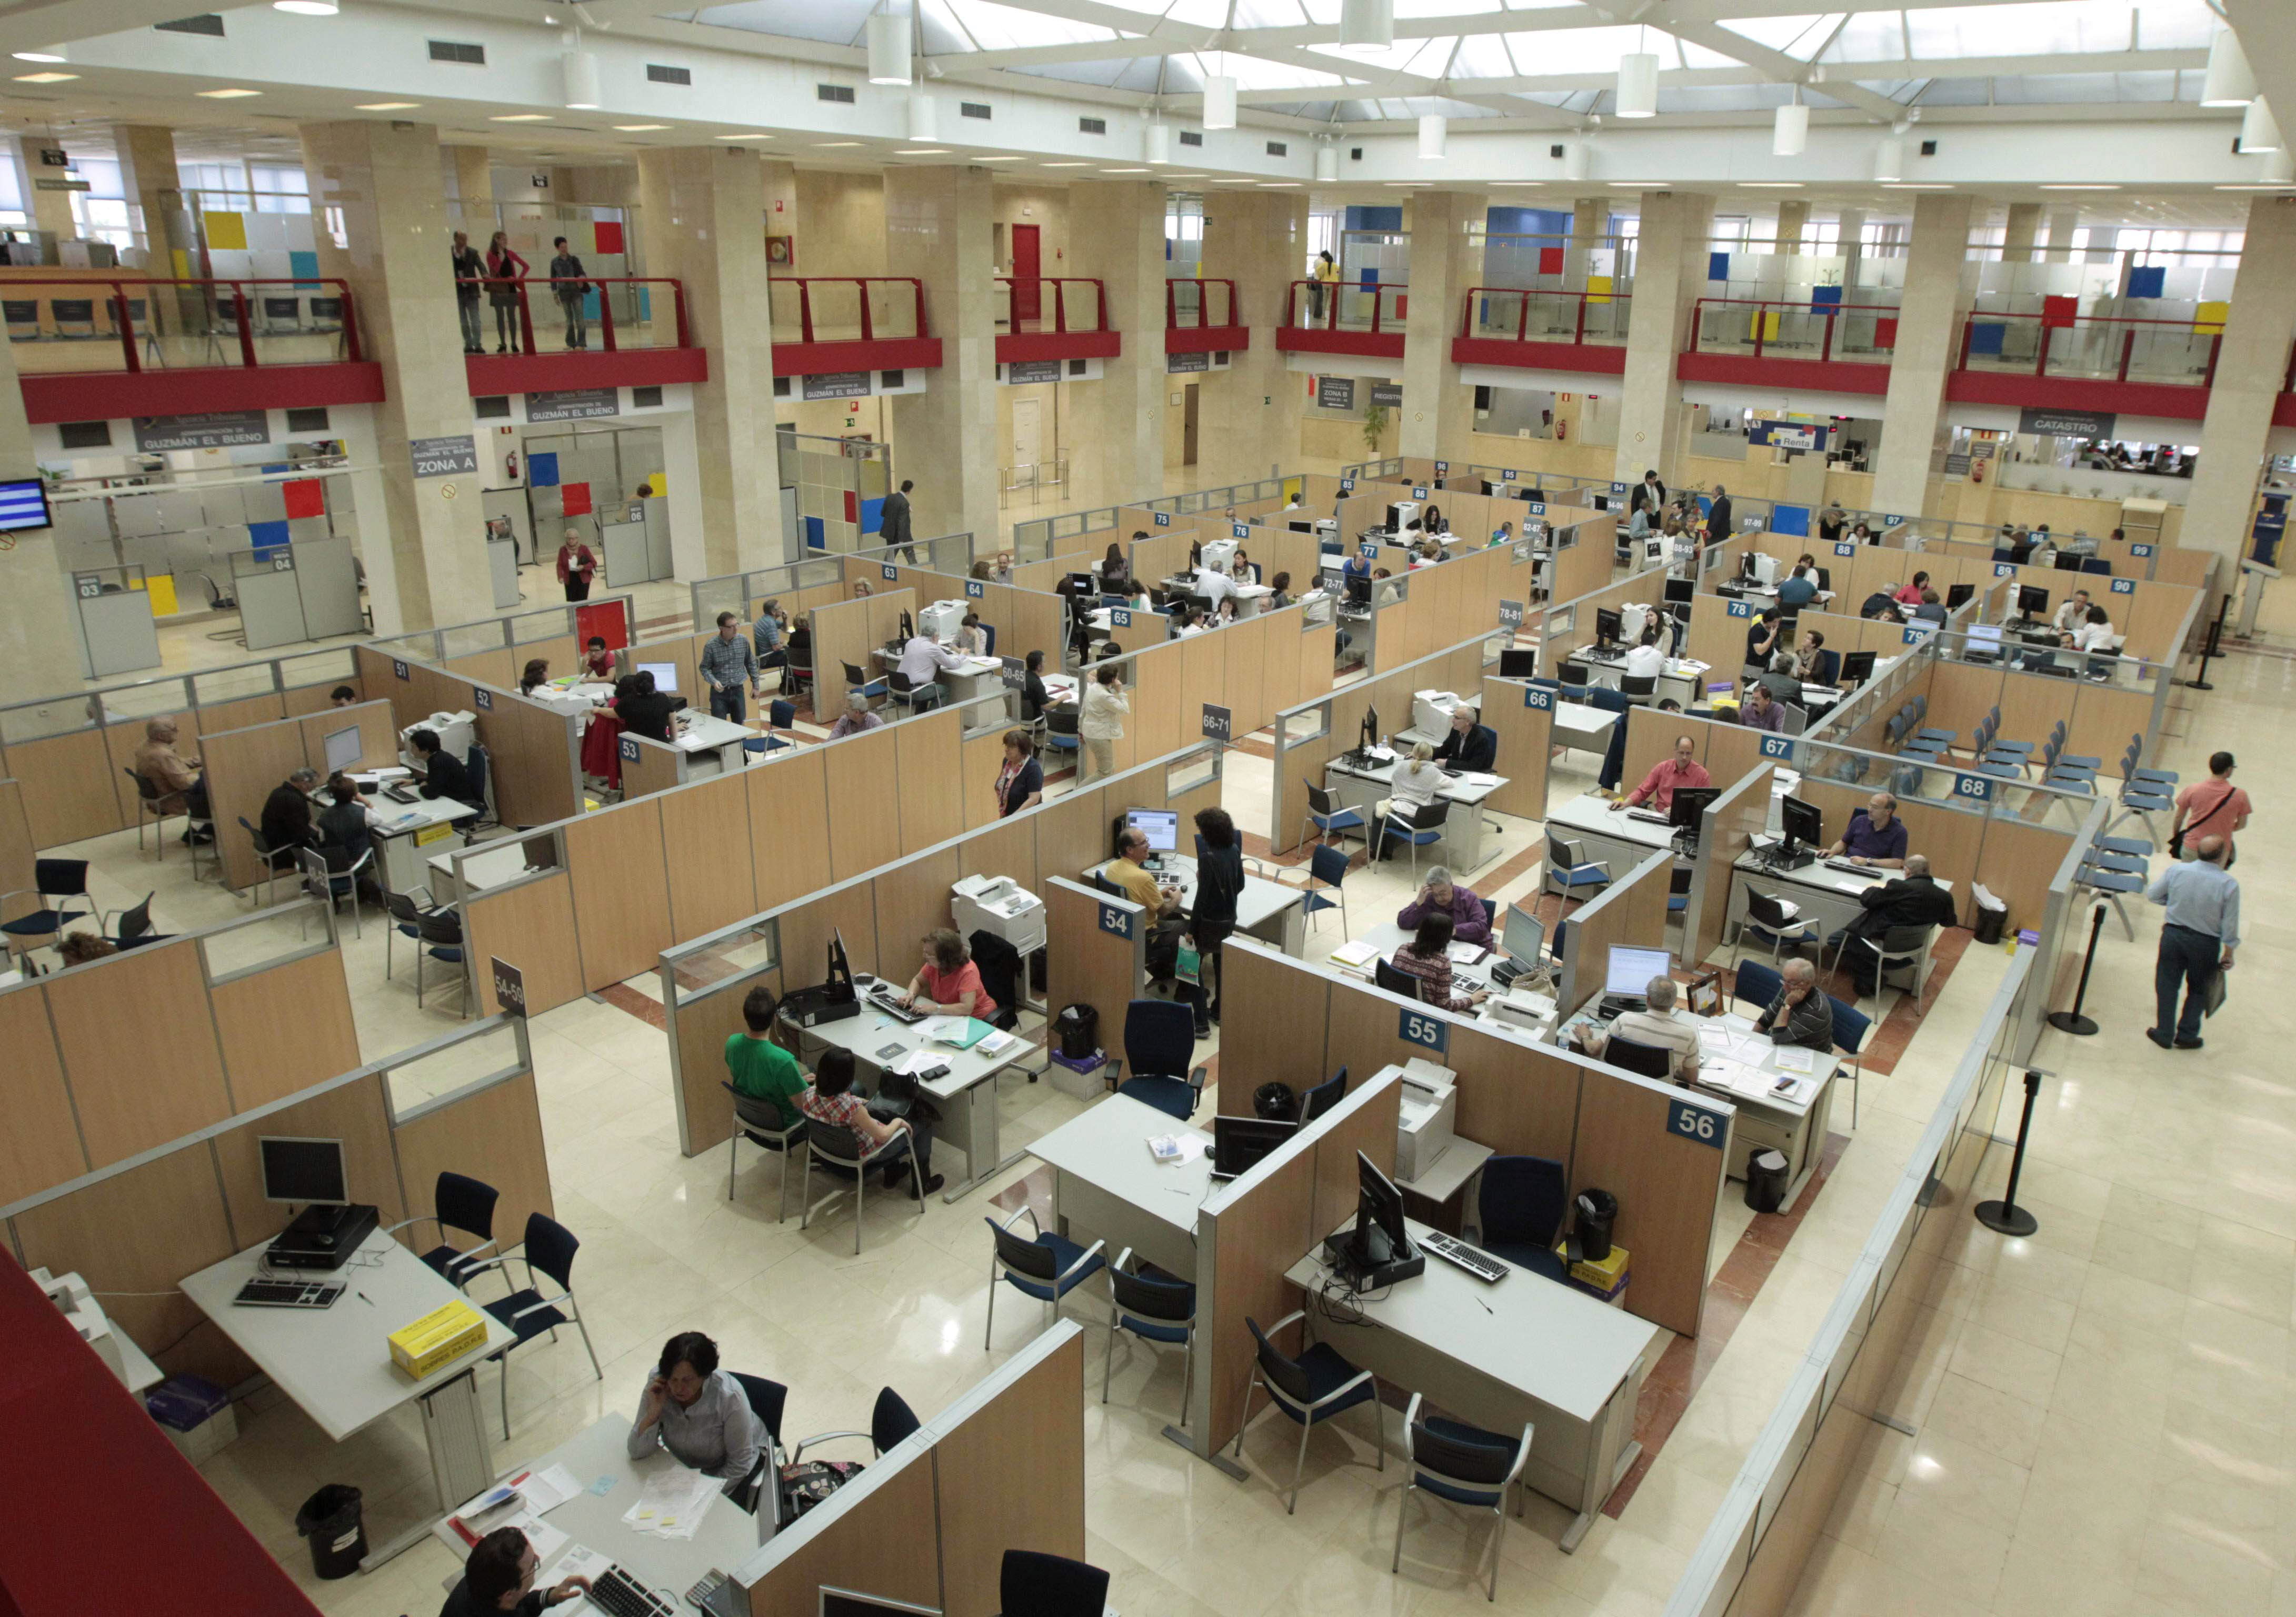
(432, 1073)
(754, 946)
(303, 926)
(233, 684)
(317, 667)
(465, 638)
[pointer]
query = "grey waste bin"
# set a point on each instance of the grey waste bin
(332, 1519)
(1766, 1181)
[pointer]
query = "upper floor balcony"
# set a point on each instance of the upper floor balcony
(1582, 332)
(605, 330)
(830, 324)
(2102, 361)
(1363, 318)
(1201, 317)
(1042, 318)
(1816, 343)
(94, 346)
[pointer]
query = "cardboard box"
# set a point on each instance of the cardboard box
(439, 1337)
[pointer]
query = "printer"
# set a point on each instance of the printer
(1431, 711)
(1400, 516)
(1424, 1126)
(456, 733)
(85, 1314)
(941, 619)
(1218, 553)
(1632, 617)
(1000, 907)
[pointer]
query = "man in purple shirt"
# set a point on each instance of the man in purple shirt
(1757, 711)
(1469, 923)
(1875, 836)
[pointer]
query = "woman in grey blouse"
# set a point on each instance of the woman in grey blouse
(696, 1411)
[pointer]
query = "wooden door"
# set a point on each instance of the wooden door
(1028, 293)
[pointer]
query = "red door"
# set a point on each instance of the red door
(1026, 291)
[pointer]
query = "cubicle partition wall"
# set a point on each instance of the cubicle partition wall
(2099, 718)
(1300, 1023)
(177, 1185)
(1567, 624)
(1629, 912)
(534, 750)
(928, 1521)
(1096, 949)
(882, 911)
(1253, 667)
(1021, 620)
(1727, 831)
(19, 854)
(243, 767)
(1093, 528)
(847, 632)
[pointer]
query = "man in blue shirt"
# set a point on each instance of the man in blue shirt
(1798, 591)
(1875, 835)
(2198, 936)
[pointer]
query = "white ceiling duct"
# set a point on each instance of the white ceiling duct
(2228, 82)
(1434, 135)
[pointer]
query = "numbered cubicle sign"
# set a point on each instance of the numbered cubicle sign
(1780, 747)
(974, 589)
(1119, 616)
(1117, 922)
(1442, 468)
(892, 574)
(1013, 672)
(1216, 723)
(87, 585)
(2124, 587)
(1618, 487)
(1843, 547)
(1742, 609)
(1239, 530)
(1368, 549)
(1538, 699)
(1347, 485)
(1510, 614)
(1423, 1029)
(1918, 631)
(1420, 492)
(2002, 570)
(399, 667)
(629, 748)
(510, 986)
(282, 560)
(1693, 1121)
(2140, 551)
(1506, 477)
(1535, 507)
(1973, 788)
(1163, 519)
(1892, 521)
(483, 697)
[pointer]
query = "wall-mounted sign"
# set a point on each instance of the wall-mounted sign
(1442, 468)
(399, 667)
(1015, 673)
(1119, 616)
(87, 585)
(1175, 364)
(444, 456)
(629, 748)
(1347, 485)
(1538, 699)
(1779, 746)
(975, 589)
(219, 429)
(1695, 1122)
(1022, 372)
(573, 404)
(2140, 551)
(1510, 614)
(1506, 477)
(1163, 519)
(1974, 788)
(1843, 547)
(2050, 423)
(54, 157)
(484, 698)
(43, 182)
(1335, 392)
(1742, 609)
(837, 384)
(1117, 922)
(1216, 723)
(1387, 395)
(2124, 587)
(539, 182)
(888, 572)
(510, 987)
(282, 560)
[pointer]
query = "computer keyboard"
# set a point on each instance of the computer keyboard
(615, 1590)
(1649, 817)
(1847, 868)
(287, 1294)
(1481, 1265)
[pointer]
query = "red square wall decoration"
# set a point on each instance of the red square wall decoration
(576, 498)
(304, 497)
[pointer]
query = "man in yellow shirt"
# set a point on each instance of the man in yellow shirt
(1129, 871)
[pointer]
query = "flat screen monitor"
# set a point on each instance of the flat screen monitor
(1160, 827)
(342, 748)
(2068, 562)
(845, 1603)
(1825, 579)
(1986, 635)
(1381, 1236)
(1608, 626)
(840, 964)
(665, 676)
(1687, 804)
(1515, 664)
(1681, 589)
(1240, 1143)
(1367, 737)
(307, 1172)
(1082, 583)
(23, 504)
(1857, 668)
(1803, 826)
(1630, 972)
(1523, 936)
(2032, 600)
(1957, 594)
(1359, 589)
(1301, 525)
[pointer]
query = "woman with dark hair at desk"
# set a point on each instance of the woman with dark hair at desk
(1281, 595)
(696, 1411)
(537, 673)
(1219, 884)
(1428, 958)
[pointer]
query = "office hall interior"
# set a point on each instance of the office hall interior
(1148, 792)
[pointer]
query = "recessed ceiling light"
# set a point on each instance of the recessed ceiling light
(921, 152)
(1068, 165)
(1279, 185)
(1184, 176)
(824, 145)
(1915, 186)
(44, 78)
(519, 118)
(1124, 171)
(2283, 186)
(231, 95)
(1010, 156)
(1639, 184)
(1498, 183)
(44, 53)
(639, 128)
(1403, 185)
(385, 106)
(2080, 187)
(1769, 185)
(1218, 182)
(307, 8)
(766, 137)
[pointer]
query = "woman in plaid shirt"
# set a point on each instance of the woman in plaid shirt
(831, 1100)
(1428, 957)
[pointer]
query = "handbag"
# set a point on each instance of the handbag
(809, 1482)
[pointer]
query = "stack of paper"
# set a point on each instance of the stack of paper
(1356, 957)
(1466, 954)
(672, 1503)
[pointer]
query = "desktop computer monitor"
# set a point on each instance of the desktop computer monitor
(1629, 971)
(1983, 640)
(1367, 737)
(1684, 590)
(1382, 1236)
(841, 967)
(1299, 525)
(1608, 630)
(1359, 589)
(1957, 594)
(665, 676)
(2032, 601)
(306, 1172)
(1523, 936)
(1162, 826)
(1857, 668)
(342, 748)
(1686, 807)
(1825, 579)
(1804, 826)
(845, 1603)
(1240, 1143)
(2068, 562)
(1514, 664)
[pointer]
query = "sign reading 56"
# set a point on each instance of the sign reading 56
(1694, 1122)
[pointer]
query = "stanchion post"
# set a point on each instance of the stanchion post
(2208, 647)
(2073, 1021)
(2004, 1217)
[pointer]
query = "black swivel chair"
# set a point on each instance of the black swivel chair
(1386, 976)
(1033, 1584)
(767, 1399)
(1520, 1210)
(1324, 1096)
(1648, 1060)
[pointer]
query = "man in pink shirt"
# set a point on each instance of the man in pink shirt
(2214, 807)
(1659, 786)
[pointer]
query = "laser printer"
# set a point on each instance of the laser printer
(455, 732)
(1431, 711)
(941, 619)
(1218, 553)
(1000, 907)
(1430, 1109)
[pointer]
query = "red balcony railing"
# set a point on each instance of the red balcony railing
(1524, 314)
(1195, 304)
(2093, 348)
(1073, 304)
(136, 323)
(1795, 329)
(829, 323)
(620, 307)
(1364, 317)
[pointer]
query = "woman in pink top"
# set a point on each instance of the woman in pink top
(948, 981)
(1911, 593)
(2214, 807)
(505, 267)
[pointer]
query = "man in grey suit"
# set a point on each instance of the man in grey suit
(893, 527)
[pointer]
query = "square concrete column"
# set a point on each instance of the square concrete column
(51, 210)
(2062, 222)
(1248, 417)
(1115, 235)
(425, 551)
(2023, 230)
(474, 177)
(1793, 218)
(1929, 343)
(1437, 410)
(938, 228)
(1586, 225)
(703, 211)
(148, 179)
(2251, 365)
(1671, 253)
(40, 653)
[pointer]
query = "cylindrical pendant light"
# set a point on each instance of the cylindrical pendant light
(2280, 167)
(307, 8)
(581, 73)
(1576, 157)
(1790, 135)
(1219, 102)
(1159, 146)
(2258, 130)
(44, 53)
(924, 116)
(888, 48)
(2228, 82)
(1368, 23)
(1638, 95)
(1434, 131)
(1889, 159)
(1327, 164)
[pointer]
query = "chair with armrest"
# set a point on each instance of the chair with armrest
(1635, 1056)
(839, 1152)
(1384, 975)
(759, 1122)
(1464, 1465)
(1569, 873)
(855, 680)
(1326, 869)
(458, 1201)
(890, 1422)
(1758, 984)
(548, 1250)
(130, 927)
(1309, 1390)
(1421, 827)
(1156, 1308)
(1850, 1028)
(154, 806)
(1520, 1211)
(1323, 1096)
(1047, 1267)
(767, 1400)
(1328, 816)
(1767, 923)
(1159, 1043)
(1030, 1583)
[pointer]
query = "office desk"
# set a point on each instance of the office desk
(1526, 1351)
(1106, 1186)
(670, 1566)
(406, 835)
(1362, 785)
(1606, 837)
(578, 699)
(1584, 726)
(713, 746)
(965, 1096)
(1680, 678)
(335, 1362)
(1387, 937)
(1273, 912)
(980, 676)
(492, 868)
(1829, 897)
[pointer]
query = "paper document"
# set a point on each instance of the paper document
(1790, 1058)
(672, 1503)
(1466, 954)
(1173, 1149)
(546, 1539)
(1356, 955)
(997, 1043)
(962, 1032)
(581, 1562)
(1738, 1024)
(546, 1489)
(1472, 777)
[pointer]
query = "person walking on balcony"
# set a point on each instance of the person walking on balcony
(505, 269)
(893, 523)
(569, 286)
(1328, 278)
(469, 267)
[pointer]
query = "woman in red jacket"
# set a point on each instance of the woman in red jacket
(504, 266)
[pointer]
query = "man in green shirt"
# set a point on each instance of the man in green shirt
(761, 1068)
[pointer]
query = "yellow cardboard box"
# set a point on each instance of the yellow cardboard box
(437, 1338)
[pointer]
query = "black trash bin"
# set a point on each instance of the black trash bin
(1990, 924)
(1598, 1210)
(332, 1519)
(1077, 1029)
(1766, 1181)
(1276, 1103)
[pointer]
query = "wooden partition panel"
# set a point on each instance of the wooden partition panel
(622, 891)
(1668, 1187)
(1732, 821)
(19, 854)
(359, 1114)
(1096, 953)
(648, 767)
(377, 736)
(533, 758)
(494, 1134)
(910, 902)
(884, 1540)
(1630, 914)
(530, 925)
(1277, 1032)
(1585, 566)
(1948, 835)
(847, 632)
(244, 768)
(2016, 864)
(123, 1107)
(1033, 1428)
(864, 782)
(1369, 1130)
(71, 787)
(980, 759)
(706, 839)
(849, 911)
(1007, 849)
(789, 824)
(41, 1145)
(699, 1028)
(1259, 1235)
(492, 667)
(926, 753)
(285, 1028)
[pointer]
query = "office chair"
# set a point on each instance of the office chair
(1420, 826)
(767, 1400)
(478, 764)
(1384, 975)
(457, 1203)
(1033, 1584)
(1757, 984)
(839, 1151)
(1313, 1388)
(1766, 922)
(1898, 947)
(1060, 730)
(1160, 1040)
(1154, 1308)
(917, 696)
(1850, 1028)
(759, 1122)
(1047, 1267)
(1323, 1096)
(61, 879)
(1520, 1211)
(1327, 868)
(1633, 1056)
(1101, 883)
(890, 1422)
(1327, 817)
(334, 886)
(855, 680)
(154, 806)
(1464, 1465)
(1638, 688)
(549, 1250)
(1567, 874)
(132, 926)
(271, 858)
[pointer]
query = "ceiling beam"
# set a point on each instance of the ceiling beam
(2269, 44)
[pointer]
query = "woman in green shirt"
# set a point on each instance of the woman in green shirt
(762, 1069)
